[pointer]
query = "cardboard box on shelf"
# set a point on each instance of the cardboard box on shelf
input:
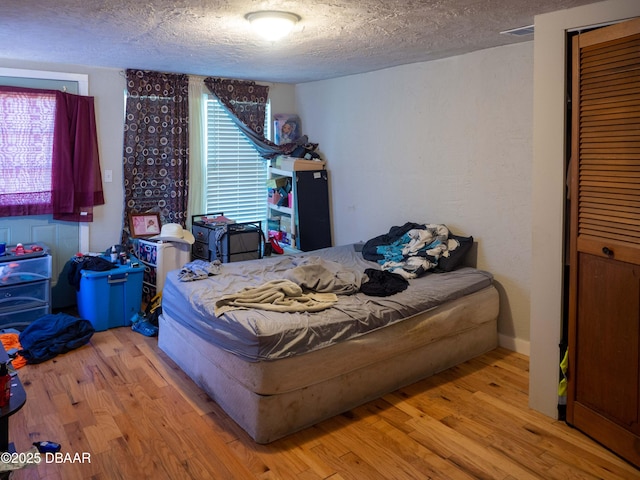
(292, 164)
(278, 182)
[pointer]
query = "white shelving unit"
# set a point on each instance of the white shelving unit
(285, 215)
(306, 218)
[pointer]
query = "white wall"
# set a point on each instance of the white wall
(548, 188)
(282, 98)
(447, 141)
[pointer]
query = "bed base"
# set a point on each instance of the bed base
(348, 374)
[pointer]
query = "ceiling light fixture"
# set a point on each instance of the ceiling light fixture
(272, 25)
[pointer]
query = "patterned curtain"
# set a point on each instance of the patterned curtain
(156, 146)
(244, 99)
(247, 102)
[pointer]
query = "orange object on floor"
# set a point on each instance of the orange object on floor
(11, 341)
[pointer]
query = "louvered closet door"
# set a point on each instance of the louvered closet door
(604, 323)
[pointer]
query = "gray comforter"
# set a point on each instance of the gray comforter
(262, 334)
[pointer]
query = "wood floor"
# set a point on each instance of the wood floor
(122, 403)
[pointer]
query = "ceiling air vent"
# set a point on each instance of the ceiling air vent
(520, 31)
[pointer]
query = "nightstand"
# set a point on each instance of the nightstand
(16, 402)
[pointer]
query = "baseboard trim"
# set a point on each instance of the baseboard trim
(514, 344)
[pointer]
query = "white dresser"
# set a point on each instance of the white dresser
(158, 258)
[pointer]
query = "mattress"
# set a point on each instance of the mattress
(260, 335)
(272, 399)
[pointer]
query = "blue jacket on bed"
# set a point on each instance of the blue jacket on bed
(52, 335)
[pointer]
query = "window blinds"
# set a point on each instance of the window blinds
(236, 174)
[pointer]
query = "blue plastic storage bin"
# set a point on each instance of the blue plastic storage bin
(109, 299)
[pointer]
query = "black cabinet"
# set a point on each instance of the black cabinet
(312, 198)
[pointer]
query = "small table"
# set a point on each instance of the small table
(17, 400)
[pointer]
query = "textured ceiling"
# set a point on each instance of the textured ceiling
(334, 37)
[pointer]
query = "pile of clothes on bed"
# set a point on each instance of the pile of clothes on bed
(413, 249)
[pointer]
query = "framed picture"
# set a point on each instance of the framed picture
(286, 128)
(144, 224)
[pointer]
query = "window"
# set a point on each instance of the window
(236, 174)
(26, 147)
(26, 138)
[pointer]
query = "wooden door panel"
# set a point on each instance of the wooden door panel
(621, 250)
(607, 374)
(603, 397)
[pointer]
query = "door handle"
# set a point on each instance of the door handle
(607, 251)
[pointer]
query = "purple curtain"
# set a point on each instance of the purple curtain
(246, 103)
(76, 180)
(66, 182)
(156, 146)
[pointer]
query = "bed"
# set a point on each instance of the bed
(277, 372)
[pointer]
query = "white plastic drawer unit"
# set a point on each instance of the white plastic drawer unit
(25, 289)
(21, 318)
(25, 270)
(24, 295)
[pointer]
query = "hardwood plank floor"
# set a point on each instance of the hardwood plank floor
(124, 404)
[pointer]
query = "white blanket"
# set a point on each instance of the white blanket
(311, 286)
(278, 296)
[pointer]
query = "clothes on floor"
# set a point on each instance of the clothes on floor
(53, 334)
(11, 343)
